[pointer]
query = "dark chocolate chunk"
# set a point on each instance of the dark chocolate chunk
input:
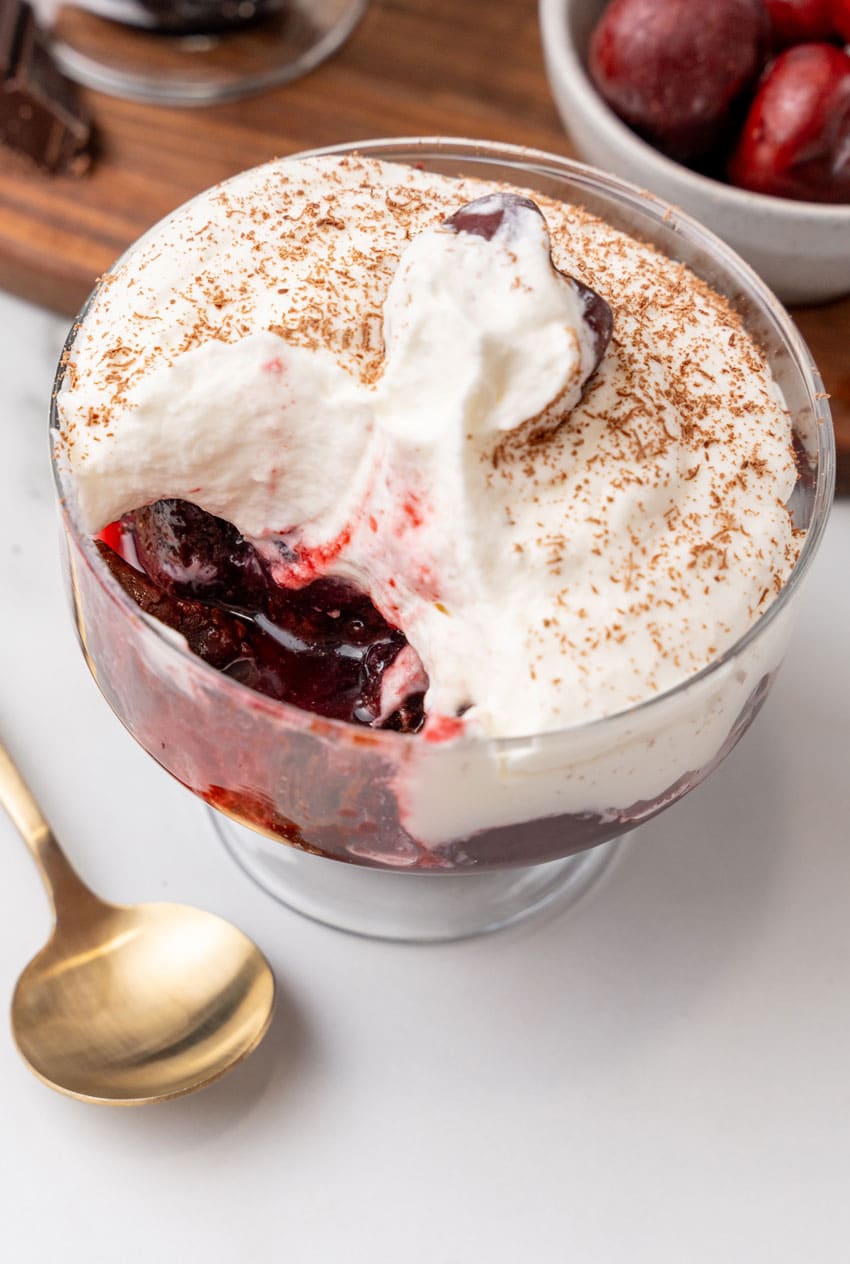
(41, 114)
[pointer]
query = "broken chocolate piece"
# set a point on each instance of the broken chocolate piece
(41, 114)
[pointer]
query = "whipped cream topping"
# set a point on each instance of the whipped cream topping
(314, 353)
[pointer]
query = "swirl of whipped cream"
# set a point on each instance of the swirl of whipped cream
(546, 571)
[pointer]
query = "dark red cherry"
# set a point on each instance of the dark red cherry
(676, 70)
(799, 21)
(841, 19)
(190, 553)
(796, 139)
(487, 215)
(324, 647)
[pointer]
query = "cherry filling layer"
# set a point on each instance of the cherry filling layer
(324, 648)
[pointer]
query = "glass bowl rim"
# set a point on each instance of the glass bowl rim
(523, 158)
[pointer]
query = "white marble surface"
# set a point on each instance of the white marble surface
(662, 1075)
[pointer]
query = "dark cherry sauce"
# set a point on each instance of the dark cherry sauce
(324, 648)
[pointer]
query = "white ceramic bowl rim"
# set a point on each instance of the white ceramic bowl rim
(570, 66)
(405, 149)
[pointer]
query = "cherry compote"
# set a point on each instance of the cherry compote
(324, 648)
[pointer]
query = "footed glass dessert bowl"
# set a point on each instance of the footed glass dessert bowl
(446, 832)
(195, 52)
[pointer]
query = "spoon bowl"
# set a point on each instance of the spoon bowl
(130, 1004)
(141, 1003)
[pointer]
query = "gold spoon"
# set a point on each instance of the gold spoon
(130, 1004)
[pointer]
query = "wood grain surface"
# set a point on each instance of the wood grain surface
(412, 67)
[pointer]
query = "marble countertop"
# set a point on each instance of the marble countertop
(659, 1075)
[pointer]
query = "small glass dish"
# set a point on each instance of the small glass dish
(195, 52)
(393, 836)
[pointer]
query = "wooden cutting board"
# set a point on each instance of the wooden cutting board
(412, 67)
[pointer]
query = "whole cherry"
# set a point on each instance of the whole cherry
(675, 69)
(796, 138)
(841, 18)
(800, 21)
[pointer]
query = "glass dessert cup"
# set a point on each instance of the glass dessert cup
(196, 52)
(396, 836)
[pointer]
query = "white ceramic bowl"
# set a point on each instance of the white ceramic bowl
(801, 249)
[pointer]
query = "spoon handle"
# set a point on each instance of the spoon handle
(66, 889)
